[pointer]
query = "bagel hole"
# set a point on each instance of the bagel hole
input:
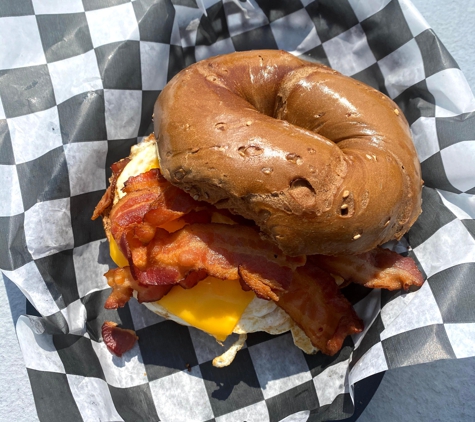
(344, 211)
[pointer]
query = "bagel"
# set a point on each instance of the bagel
(322, 163)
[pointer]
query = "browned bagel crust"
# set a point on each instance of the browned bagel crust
(321, 162)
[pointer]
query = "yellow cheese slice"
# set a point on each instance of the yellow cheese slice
(116, 254)
(213, 305)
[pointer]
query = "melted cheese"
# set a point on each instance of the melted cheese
(213, 305)
(116, 254)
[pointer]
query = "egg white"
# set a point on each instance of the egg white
(142, 157)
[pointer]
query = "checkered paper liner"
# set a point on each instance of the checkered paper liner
(78, 80)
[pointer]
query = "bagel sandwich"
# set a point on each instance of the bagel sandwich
(253, 203)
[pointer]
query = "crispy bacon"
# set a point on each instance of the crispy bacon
(144, 232)
(118, 166)
(130, 210)
(107, 198)
(378, 268)
(118, 340)
(150, 179)
(193, 278)
(264, 288)
(123, 285)
(119, 279)
(150, 199)
(218, 250)
(315, 303)
(104, 203)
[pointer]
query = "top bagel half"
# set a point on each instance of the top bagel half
(324, 164)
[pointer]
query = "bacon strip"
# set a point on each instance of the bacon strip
(217, 250)
(264, 287)
(315, 303)
(118, 340)
(123, 286)
(150, 179)
(106, 200)
(150, 199)
(379, 268)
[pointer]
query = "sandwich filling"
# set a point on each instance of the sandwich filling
(205, 267)
(218, 307)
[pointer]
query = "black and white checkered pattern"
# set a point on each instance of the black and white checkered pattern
(78, 81)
